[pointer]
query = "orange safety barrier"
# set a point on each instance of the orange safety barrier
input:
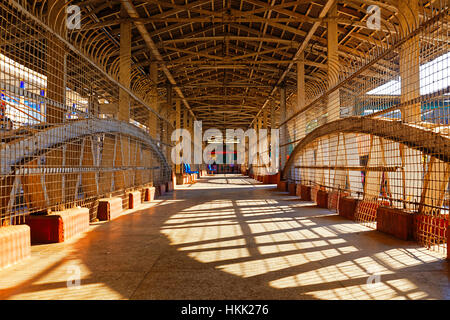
(433, 226)
(367, 210)
(109, 208)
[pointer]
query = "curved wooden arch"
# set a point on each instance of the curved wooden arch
(415, 137)
(19, 150)
(82, 160)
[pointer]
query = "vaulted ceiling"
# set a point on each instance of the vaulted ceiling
(225, 58)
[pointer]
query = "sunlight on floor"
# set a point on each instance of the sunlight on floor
(56, 277)
(264, 239)
(259, 244)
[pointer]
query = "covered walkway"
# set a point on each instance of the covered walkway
(229, 237)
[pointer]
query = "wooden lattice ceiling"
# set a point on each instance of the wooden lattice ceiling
(226, 56)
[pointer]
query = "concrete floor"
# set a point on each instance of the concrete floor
(229, 237)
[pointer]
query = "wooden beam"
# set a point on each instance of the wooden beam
(132, 12)
(300, 83)
(409, 61)
(333, 101)
(227, 37)
(302, 47)
(124, 68)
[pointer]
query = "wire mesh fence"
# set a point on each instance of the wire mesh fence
(379, 130)
(64, 139)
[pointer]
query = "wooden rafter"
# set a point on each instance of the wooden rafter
(236, 48)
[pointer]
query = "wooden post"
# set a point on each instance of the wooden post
(300, 83)
(300, 95)
(56, 63)
(178, 126)
(124, 68)
(168, 114)
(333, 104)
(152, 118)
(265, 119)
(409, 61)
(283, 133)
(188, 128)
(255, 150)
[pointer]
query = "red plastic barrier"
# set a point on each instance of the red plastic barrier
(149, 193)
(305, 193)
(58, 226)
(109, 208)
(298, 190)
(314, 190)
(274, 178)
(160, 189)
(334, 198)
(15, 244)
(292, 188)
(134, 199)
(322, 199)
(169, 186)
(395, 222)
(347, 207)
(282, 186)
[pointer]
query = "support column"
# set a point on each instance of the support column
(409, 61)
(168, 116)
(190, 126)
(255, 158)
(300, 96)
(300, 83)
(178, 126)
(272, 116)
(283, 133)
(260, 155)
(265, 119)
(333, 104)
(152, 118)
(124, 68)
(273, 153)
(265, 142)
(56, 64)
(93, 104)
(185, 121)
